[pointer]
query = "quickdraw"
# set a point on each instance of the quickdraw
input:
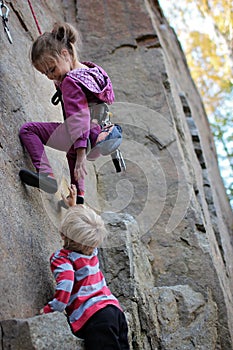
(4, 12)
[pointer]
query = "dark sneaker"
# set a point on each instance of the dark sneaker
(79, 200)
(40, 180)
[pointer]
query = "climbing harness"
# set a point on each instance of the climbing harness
(4, 12)
(112, 138)
(34, 16)
(110, 144)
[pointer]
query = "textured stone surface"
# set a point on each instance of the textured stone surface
(173, 317)
(50, 332)
(158, 317)
(172, 186)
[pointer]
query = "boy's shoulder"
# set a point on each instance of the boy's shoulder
(61, 253)
(71, 255)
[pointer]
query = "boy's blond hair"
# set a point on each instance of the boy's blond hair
(83, 229)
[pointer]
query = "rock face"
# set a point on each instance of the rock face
(158, 317)
(169, 254)
(168, 317)
(34, 333)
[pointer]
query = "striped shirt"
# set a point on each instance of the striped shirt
(81, 288)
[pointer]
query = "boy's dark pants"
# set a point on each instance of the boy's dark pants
(105, 330)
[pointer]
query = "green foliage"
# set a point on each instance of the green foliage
(204, 28)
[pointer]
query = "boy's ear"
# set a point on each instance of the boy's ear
(62, 236)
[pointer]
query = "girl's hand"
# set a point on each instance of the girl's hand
(80, 167)
(70, 201)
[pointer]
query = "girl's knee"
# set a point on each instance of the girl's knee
(23, 129)
(26, 128)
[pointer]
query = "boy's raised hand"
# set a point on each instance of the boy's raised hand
(70, 201)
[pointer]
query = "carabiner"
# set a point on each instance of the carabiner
(7, 10)
(4, 11)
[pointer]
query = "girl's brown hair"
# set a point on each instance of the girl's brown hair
(49, 45)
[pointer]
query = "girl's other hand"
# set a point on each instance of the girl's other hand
(80, 170)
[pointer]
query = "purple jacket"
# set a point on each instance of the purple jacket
(79, 88)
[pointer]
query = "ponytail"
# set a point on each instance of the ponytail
(50, 44)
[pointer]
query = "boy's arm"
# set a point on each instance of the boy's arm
(64, 274)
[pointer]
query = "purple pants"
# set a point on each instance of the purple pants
(34, 135)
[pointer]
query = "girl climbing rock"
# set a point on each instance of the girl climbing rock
(81, 85)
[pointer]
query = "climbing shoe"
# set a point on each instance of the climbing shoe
(42, 181)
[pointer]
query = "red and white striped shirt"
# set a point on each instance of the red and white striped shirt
(81, 288)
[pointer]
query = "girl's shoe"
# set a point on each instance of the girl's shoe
(43, 181)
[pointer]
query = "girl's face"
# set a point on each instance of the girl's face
(56, 69)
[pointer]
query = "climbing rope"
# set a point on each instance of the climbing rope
(34, 16)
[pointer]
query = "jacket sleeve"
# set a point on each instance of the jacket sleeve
(64, 275)
(77, 112)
